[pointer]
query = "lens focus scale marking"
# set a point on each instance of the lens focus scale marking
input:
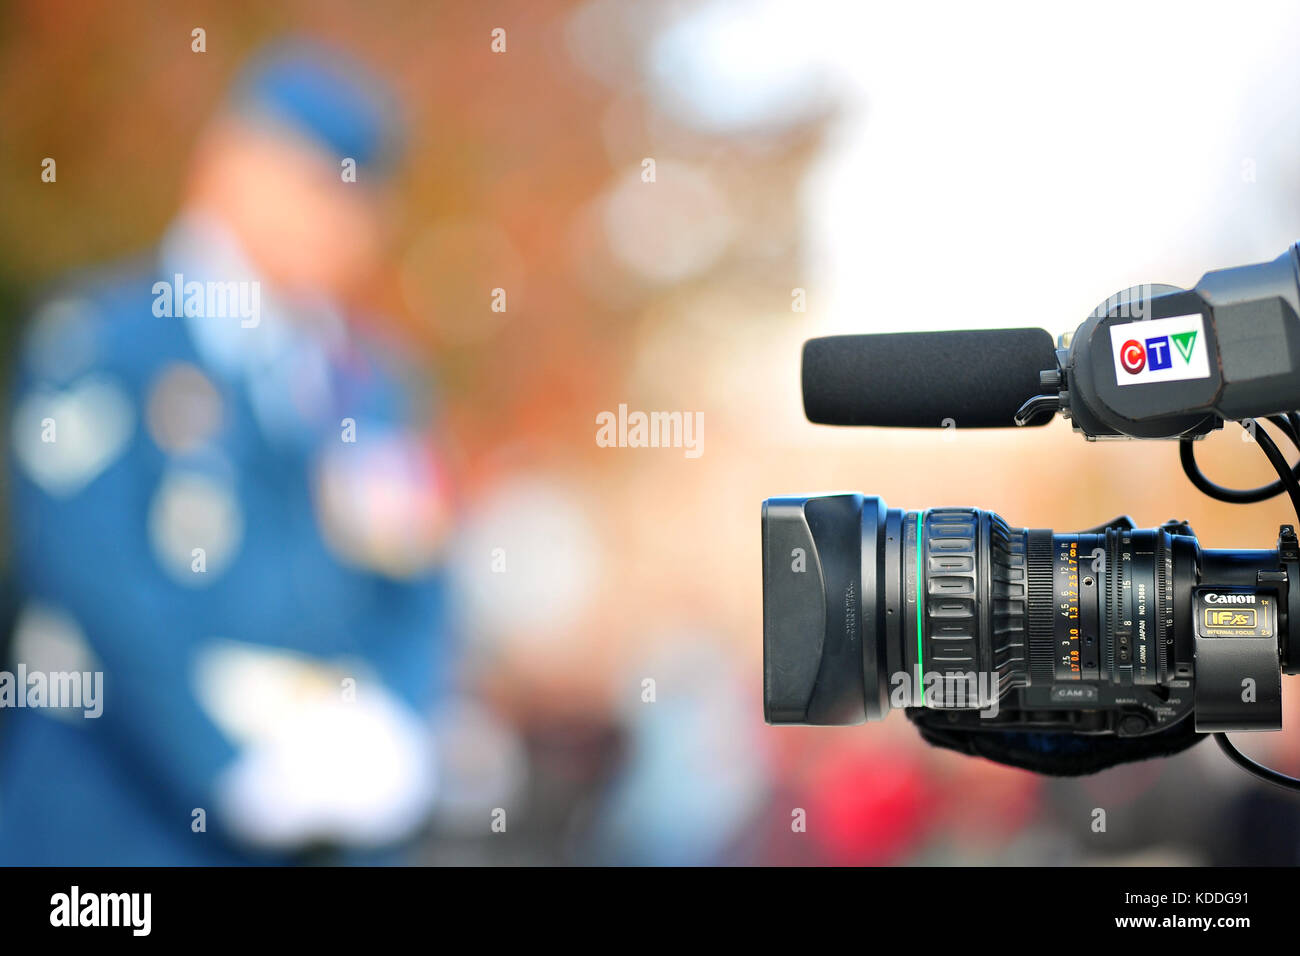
(1067, 656)
(1092, 587)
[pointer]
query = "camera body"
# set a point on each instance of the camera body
(1136, 639)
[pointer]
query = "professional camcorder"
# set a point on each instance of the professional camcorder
(1059, 652)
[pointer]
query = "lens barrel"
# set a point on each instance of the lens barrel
(868, 608)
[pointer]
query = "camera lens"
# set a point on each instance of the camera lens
(868, 608)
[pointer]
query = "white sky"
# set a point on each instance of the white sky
(1012, 164)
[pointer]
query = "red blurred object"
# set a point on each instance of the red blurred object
(869, 807)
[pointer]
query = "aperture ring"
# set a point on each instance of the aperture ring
(1041, 606)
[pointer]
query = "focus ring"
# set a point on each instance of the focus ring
(952, 638)
(976, 600)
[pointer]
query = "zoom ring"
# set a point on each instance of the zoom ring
(975, 604)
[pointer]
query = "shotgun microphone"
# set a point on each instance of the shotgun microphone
(1153, 361)
(971, 379)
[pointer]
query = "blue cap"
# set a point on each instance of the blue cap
(325, 95)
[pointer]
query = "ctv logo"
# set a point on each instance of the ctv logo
(1160, 350)
(1154, 353)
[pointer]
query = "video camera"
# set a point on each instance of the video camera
(1062, 653)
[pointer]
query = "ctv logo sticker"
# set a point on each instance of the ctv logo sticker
(1160, 350)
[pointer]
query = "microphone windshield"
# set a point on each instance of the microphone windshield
(971, 379)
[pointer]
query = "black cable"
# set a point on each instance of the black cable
(1286, 475)
(1289, 426)
(1286, 424)
(1267, 774)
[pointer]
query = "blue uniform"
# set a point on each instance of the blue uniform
(190, 498)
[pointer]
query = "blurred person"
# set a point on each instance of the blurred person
(225, 500)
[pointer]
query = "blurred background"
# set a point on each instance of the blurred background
(817, 168)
